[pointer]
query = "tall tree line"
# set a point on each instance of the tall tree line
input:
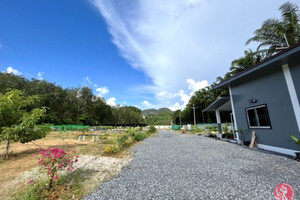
(71, 105)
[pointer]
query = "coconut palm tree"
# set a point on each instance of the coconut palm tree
(275, 35)
(251, 58)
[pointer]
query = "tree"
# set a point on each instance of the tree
(17, 124)
(251, 58)
(276, 34)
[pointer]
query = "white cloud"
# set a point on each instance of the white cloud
(102, 91)
(11, 70)
(182, 95)
(40, 76)
(87, 81)
(147, 104)
(112, 101)
(194, 86)
(159, 38)
(176, 42)
(176, 106)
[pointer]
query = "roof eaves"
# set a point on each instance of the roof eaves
(215, 101)
(282, 54)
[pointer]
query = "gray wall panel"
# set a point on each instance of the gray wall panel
(272, 91)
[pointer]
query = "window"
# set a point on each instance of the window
(258, 117)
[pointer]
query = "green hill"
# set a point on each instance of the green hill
(162, 116)
(155, 111)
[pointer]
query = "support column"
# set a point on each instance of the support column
(219, 123)
(234, 117)
(292, 92)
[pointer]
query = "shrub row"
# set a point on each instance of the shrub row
(126, 140)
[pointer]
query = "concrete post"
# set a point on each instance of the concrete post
(219, 123)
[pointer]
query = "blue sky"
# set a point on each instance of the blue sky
(146, 53)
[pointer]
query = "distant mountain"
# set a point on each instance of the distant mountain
(156, 112)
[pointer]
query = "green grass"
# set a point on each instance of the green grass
(67, 187)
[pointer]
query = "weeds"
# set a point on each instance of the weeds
(111, 149)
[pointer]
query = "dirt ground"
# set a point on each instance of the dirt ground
(22, 164)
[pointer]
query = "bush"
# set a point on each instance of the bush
(131, 131)
(196, 129)
(129, 142)
(122, 141)
(111, 149)
(152, 129)
(140, 136)
(52, 160)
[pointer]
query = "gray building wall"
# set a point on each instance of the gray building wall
(294, 66)
(270, 89)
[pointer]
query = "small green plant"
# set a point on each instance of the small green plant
(122, 141)
(296, 140)
(111, 149)
(139, 136)
(131, 131)
(123, 138)
(129, 142)
(225, 129)
(242, 132)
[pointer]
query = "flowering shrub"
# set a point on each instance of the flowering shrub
(31, 181)
(55, 159)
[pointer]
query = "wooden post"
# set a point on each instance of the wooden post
(253, 143)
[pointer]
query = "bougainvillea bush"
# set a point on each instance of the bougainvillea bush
(53, 160)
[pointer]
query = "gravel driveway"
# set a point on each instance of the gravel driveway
(182, 166)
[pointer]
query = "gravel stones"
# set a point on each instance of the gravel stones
(182, 166)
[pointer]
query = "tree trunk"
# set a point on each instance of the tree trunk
(6, 149)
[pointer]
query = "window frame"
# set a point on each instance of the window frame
(257, 118)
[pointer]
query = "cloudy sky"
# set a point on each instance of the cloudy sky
(146, 53)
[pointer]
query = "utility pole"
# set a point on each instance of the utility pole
(194, 108)
(180, 118)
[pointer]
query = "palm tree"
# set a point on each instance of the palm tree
(251, 58)
(275, 35)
